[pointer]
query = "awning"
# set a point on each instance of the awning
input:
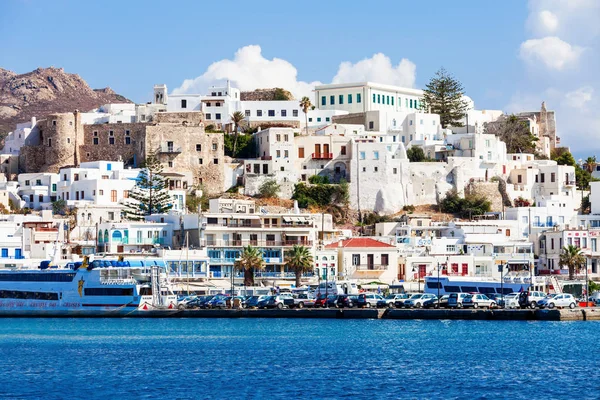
(287, 219)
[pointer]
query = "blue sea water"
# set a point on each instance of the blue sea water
(287, 358)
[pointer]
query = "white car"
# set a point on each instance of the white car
(478, 300)
(417, 300)
(534, 298)
(559, 300)
(372, 299)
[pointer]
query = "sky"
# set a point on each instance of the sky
(509, 55)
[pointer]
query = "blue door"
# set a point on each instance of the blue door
(18, 254)
(4, 253)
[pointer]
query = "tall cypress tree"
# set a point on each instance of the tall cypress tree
(150, 192)
(444, 96)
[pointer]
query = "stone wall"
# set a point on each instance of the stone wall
(274, 124)
(189, 118)
(252, 184)
(131, 152)
(489, 190)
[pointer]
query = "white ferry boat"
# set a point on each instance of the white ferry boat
(512, 282)
(90, 288)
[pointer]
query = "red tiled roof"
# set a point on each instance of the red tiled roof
(358, 243)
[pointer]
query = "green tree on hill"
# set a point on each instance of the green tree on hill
(443, 95)
(514, 132)
(149, 194)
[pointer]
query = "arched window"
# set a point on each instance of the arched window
(106, 235)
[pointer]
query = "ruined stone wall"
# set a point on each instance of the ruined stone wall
(112, 143)
(274, 124)
(189, 118)
(355, 118)
(489, 190)
(192, 150)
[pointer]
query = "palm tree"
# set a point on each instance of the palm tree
(572, 258)
(590, 163)
(236, 118)
(306, 105)
(299, 260)
(250, 261)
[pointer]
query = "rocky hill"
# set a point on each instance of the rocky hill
(46, 91)
(266, 95)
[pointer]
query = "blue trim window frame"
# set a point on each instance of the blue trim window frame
(332, 100)
(358, 98)
(349, 98)
(323, 100)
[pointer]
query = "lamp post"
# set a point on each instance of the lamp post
(502, 284)
(587, 282)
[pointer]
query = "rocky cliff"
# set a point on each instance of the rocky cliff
(45, 91)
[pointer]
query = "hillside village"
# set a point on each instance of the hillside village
(380, 189)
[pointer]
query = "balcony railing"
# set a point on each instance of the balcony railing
(257, 243)
(371, 267)
(169, 149)
(134, 240)
(322, 156)
(570, 183)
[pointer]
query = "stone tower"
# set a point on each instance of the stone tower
(60, 137)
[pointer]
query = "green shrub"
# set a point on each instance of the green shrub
(318, 180)
(465, 207)
(268, 189)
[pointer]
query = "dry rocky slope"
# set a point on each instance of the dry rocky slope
(46, 91)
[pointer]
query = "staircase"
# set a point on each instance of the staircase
(555, 284)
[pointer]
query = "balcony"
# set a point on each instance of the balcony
(371, 267)
(266, 158)
(322, 156)
(570, 183)
(137, 241)
(169, 149)
(256, 243)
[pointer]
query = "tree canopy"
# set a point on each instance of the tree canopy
(415, 154)
(250, 260)
(572, 258)
(443, 95)
(149, 194)
(306, 105)
(514, 132)
(299, 260)
(466, 207)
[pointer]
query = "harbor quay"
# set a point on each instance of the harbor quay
(580, 314)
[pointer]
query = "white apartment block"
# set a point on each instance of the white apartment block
(38, 190)
(130, 237)
(367, 96)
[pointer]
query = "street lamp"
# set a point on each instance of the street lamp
(587, 282)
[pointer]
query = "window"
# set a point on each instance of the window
(217, 116)
(113, 196)
(54, 123)
(271, 113)
(208, 116)
(387, 99)
(349, 99)
(300, 152)
(170, 164)
(49, 142)
(323, 100)
(214, 146)
(68, 140)
(358, 99)
(375, 169)
(208, 104)
(286, 138)
(101, 192)
(341, 98)
(332, 100)
(247, 113)
(111, 133)
(284, 113)
(198, 147)
(295, 113)
(216, 161)
(76, 177)
(375, 155)
(378, 99)
(217, 104)
(259, 113)
(519, 179)
(285, 154)
(552, 177)
(355, 259)
(183, 103)
(411, 103)
(343, 150)
(310, 120)
(125, 194)
(127, 140)
(371, 124)
(200, 161)
(362, 155)
(111, 140)
(421, 122)
(327, 119)
(318, 119)
(278, 153)
(392, 100)
(54, 187)
(395, 171)
(542, 178)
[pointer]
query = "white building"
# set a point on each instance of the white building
(38, 190)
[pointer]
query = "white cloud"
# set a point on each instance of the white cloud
(543, 22)
(379, 69)
(579, 98)
(249, 70)
(552, 52)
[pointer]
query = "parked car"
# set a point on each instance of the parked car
(390, 300)
(276, 302)
(399, 303)
(332, 300)
(359, 300)
(344, 301)
(218, 301)
(558, 300)
(477, 300)
(455, 300)
(434, 303)
(496, 297)
(416, 300)
(196, 302)
(534, 298)
(252, 301)
(303, 300)
(372, 299)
